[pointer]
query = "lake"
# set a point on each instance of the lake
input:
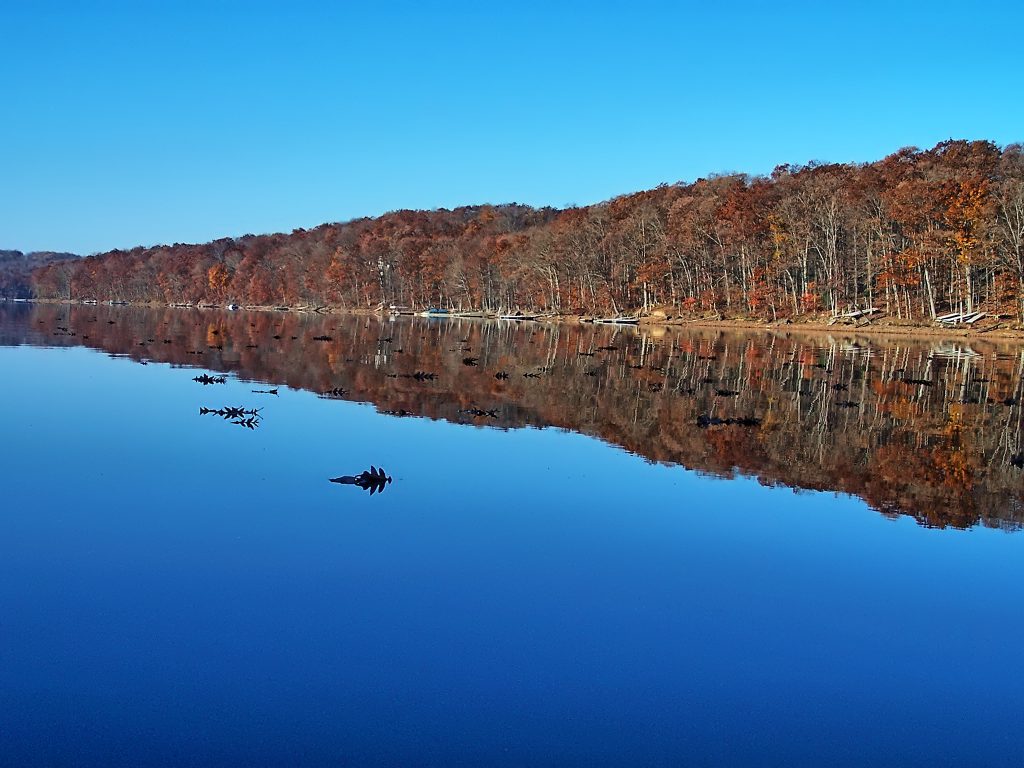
(599, 545)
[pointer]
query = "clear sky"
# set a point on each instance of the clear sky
(144, 123)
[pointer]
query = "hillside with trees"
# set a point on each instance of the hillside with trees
(916, 234)
(16, 270)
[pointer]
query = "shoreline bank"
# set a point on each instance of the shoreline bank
(1002, 329)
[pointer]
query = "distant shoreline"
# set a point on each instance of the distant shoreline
(884, 326)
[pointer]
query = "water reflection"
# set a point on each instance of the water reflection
(925, 428)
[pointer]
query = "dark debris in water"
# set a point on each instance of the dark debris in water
(243, 417)
(480, 412)
(373, 480)
(206, 379)
(740, 421)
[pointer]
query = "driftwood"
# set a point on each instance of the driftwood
(854, 314)
(858, 317)
(956, 318)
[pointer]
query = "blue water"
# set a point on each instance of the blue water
(177, 590)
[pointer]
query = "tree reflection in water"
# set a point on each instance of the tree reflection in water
(926, 428)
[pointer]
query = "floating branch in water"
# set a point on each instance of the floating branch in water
(243, 417)
(231, 413)
(265, 391)
(372, 480)
(207, 379)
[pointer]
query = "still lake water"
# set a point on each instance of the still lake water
(639, 548)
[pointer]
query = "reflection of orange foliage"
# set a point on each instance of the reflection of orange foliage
(884, 388)
(732, 446)
(955, 470)
(928, 481)
(901, 408)
(904, 449)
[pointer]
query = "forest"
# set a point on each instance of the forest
(916, 234)
(16, 270)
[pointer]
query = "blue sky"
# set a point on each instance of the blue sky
(144, 123)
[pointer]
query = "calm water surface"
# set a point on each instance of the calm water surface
(678, 549)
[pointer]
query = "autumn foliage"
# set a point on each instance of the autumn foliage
(16, 270)
(917, 234)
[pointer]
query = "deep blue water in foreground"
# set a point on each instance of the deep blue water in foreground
(176, 590)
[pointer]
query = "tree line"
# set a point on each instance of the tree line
(917, 234)
(16, 270)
